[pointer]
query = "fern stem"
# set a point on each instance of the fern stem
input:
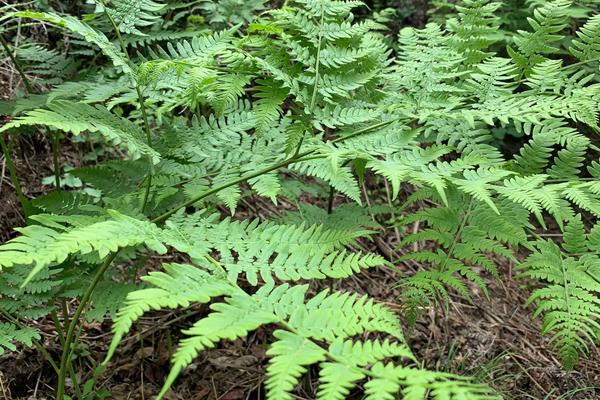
(55, 147)
(580, 63)
(58, 327)
(317, 63)
(61, 339)
(147, 191)
(457, 238)
(142, 106)
(565, 287)
(65, 311)
(66, 350)
(330, 200)
(25, 205)
(24, 78)
(294, 159)
(144, 114)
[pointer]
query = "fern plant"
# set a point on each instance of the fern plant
(467, 237)
(569, 300)
(209, 119)
(332, 318)
(544, 178)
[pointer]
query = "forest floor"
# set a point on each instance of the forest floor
(494, 340)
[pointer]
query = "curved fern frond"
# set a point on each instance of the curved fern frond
(131, 14)
(549, 20)
(231, 319)
(290, 354)
(587, 47)
(179, 286)
(10, 334)
(88, 33)
(289, 252)
(569, 302)
(79, 117)
(54, 240)
(417, 384)
(332, 317)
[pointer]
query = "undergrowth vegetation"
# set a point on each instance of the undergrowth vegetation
(481, 125)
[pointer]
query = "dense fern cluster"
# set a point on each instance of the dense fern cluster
(255, 102)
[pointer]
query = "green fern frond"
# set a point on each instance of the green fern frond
(534, 156)
(9, 334)
(337, 117)
(289, 252)
(569, 161)
(131, 14)
(88, 33)
(34, 300)
(64, 202)
(332, 317)
(548, 21)
(416, 384)
(339, 177)
(231, 11)
(573, 235)
(587, 47)
(466, 236)
(475, 28)
(569, 301)
(48, 66)
(478, 183)
(54, 240)
(408, 164)
(78, 117)
(229, 320)
(547, 77)
(107, 299)
(267, 107)
(508, 227)
(178, 286)
(290, 354)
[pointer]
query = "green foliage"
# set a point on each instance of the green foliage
(333, 318)
(78, 117)
(232, 11)
(131, 14)
(89, 34)
(9, 333)
(568, 300)
(322, 58)
(485, 146)
(547, 22)
(48, 66)
(587, 46)
(57, 238)
(468, 236)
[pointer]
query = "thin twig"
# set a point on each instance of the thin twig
(3, 171)
(26, 82)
